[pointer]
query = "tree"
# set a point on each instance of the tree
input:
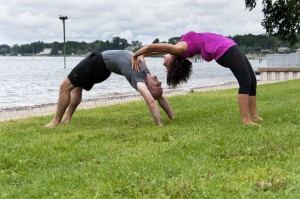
(174, 40)
(104, 45)
(135, 46)
(38, 46)
(95, 45)
(16, 49)
(136, 43)
(282, 18)
(56, 48)
(4, 49)
(119, 43)
(156, 41)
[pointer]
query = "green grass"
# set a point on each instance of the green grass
(118, 152)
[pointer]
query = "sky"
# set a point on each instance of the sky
(27, 21)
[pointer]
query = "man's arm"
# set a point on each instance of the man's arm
(150, 101)
(164, 103)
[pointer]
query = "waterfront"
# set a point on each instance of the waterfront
(29, 81)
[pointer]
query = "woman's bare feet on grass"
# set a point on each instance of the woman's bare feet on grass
(257, 118)
(52, 124)
(249, 122)
(66, 120)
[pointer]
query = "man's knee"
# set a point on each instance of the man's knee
(66, 85)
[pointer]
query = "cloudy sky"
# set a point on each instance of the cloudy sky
(26, 21)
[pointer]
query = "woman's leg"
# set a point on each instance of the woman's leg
(253, 110)
(244, 101)
(234, 60)
(252, 100)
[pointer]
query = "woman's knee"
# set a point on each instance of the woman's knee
(248, 87)
(253, 88)
(245, 86)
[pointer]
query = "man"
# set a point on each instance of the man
(96, 68)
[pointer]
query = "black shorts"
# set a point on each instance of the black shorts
(89, 71)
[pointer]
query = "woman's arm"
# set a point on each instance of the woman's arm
(149, 54)
(160, 48)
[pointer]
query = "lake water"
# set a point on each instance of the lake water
(28, 81)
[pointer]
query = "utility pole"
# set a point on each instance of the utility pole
(63, 18)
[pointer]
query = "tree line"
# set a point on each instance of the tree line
(248, 43)
(72, 47)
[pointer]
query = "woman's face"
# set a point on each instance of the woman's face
(168, 59)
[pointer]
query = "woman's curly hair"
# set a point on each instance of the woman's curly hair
(179, 71)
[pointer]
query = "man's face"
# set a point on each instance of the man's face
(154, 86)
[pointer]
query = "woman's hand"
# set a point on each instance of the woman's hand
(142, 58)
(135, 63)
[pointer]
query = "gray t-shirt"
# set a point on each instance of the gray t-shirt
(119, 62)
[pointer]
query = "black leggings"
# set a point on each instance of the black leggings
(237, 62)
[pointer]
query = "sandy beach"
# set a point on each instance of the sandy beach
(47, 109)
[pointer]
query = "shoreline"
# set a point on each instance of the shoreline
(50, 108)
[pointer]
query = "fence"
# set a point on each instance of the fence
(281, 67)
(281, 60)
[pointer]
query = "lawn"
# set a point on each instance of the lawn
(118, 152)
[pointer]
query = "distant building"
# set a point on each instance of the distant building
(283, 49)
(46, 51)
(133, 48)
(265, 51)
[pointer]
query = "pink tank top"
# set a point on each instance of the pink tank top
(209, 45)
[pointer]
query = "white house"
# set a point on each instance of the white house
(46, 51)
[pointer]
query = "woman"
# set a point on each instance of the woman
(210, 46)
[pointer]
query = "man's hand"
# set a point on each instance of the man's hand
(150, 101)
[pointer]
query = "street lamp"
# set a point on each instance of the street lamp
(63, 18)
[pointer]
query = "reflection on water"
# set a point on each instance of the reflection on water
(27, 81)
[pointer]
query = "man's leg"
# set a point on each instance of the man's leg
(63, 102)
(76, 96)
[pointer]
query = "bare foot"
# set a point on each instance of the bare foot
(66, 120)
(257, 118)
(249, 122)
(51, 124)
